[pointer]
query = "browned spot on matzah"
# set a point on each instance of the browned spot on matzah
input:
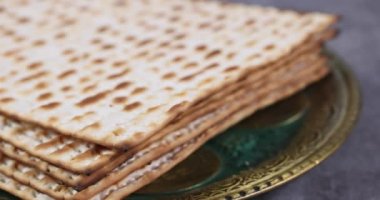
(77, 118)
(34, 76)
(250, 22)
(38, 43)
(108, 46)
(168, 88)
(138, 135)
(92, 126)
(164, 44)
(152, 109)
(212, 66)
(232, 68)
(19, 39)
(269, 47)
(213, 54)
(74, 59)
(68, 22)
(13, 73)
(115, 33)
(11, 52)
(138, 90)
(34, 65)
(142, 54)
(180, 36)
(119, 64)
(99, 61)
(221, 17)
(23, 20)
(62, 150)
(41, 85)
(118, 131)
(85, 55)
(206, 81)
(68, 51)
(132, 106)
(45, 96)
(122, 85)
(53, 120)
(120, 100)
(19, 58)
(99, 72)
(92, 99)
(49, 144)
(144, 42)
(169, 75)
(188, 77)
(253, 56)
(177, 8)
(130, 38)
(204, 25)
(231, 55)
(118, 75)
(87, 154)
(102, 29)
(60, 35)
(89, 88)
(84, 79)
(191, 65)
(66, 74)
(177, 107)
(66, 88)
(174, 19)
(180, 46)
(96, 41)
(178, 59)
(50, 106)
(6, 100)
(201, 47)
(180, 94)
(9, 32)
(169, 30)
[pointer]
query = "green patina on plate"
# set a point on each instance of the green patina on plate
(267, 149)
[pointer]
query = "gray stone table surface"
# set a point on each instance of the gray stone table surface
(353, 173)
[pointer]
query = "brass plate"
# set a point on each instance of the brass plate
(269, 148)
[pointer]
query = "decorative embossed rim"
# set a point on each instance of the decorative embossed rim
(338, 133)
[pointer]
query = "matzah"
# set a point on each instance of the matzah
(80, 180)
(98, 99)
(26, 174)
(89, 84)
(79, 154)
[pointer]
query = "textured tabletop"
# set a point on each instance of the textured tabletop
(353, 173)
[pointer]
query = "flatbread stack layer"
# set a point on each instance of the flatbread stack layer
(99, 98)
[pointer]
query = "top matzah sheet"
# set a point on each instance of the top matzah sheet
(115, 72)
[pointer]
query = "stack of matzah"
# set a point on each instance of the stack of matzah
(99, 98)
